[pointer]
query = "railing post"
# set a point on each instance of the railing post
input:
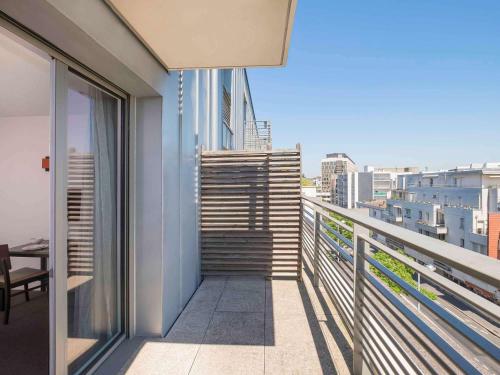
(359, 366)
(317, 232)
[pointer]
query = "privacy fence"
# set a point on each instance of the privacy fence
(251, 213)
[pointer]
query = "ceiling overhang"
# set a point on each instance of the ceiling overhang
(190, 34)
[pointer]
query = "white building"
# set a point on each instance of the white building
(457, 206)
(369, 185)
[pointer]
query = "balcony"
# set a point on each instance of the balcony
(317, 297)
(257, 135)
(436, 229)
(391, 217)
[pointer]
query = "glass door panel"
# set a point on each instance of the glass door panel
(94, 301)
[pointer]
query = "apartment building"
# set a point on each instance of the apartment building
(334, 165)
(460, 206)
(369, 185)
(115, 100)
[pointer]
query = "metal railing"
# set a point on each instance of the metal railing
(400, 325)
(257, 135)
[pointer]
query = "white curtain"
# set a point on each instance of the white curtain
(103, 122)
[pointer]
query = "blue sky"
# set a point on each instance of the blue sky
(390, 82)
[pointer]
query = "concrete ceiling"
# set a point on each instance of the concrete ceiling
(24, 79)
(185, 34)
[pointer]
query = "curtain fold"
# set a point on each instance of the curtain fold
(103, 120)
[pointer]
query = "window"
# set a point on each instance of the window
(427, 216)
(427, 233)
(420, 184)
(420, 231)
(431, 182)
(95, 262)
(408, 213)
(462, 223)
(442, 236)
(227, 131)
(420, 215)
(462, 242)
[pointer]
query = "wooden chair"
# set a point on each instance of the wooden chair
(13, 279)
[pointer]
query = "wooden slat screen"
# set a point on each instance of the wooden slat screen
(250, 213)
(80, 214)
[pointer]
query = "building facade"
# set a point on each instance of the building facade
(137, 114)
(460, 206)
(332, 166)
(370, 185)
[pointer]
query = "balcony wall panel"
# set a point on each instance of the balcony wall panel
(250, 213)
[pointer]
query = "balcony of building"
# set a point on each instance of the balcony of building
(257, 135)
(293, 284)
(438, 228)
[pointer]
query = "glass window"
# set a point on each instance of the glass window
(94, 260)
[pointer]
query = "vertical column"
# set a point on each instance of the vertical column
(317, 233)
(359, 366)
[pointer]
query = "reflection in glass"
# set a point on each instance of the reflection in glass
(93, 257)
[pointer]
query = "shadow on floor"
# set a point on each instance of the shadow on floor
(244, 325)
(340, 339)
(24, 342)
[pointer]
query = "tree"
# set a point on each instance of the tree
(400, 269)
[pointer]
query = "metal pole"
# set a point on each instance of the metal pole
(317, 232)
(418, 287)
(359, 366)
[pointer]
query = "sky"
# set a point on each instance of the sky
(389, 82)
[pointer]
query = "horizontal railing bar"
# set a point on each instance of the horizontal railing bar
(390, 344)
(326, 214)
(346, 312)
(476, 265)
(449, 318)
(374, 298)
(369, 343)
(343, 284)
(482, 304)
(344, 239)
(372, 337)
(341, 250)
(440, 342)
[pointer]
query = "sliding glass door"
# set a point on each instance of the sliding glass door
(89, 220)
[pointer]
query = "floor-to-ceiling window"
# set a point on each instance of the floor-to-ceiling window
(94, 216)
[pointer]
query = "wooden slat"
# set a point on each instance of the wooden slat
(250, 213)
(80, 214)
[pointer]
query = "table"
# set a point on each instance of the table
(43, 254)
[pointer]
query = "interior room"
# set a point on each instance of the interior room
(24, 206)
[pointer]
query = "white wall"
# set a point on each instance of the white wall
(24, 185)
(148, 210)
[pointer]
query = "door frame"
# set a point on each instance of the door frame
(61, 65)
(59, 226)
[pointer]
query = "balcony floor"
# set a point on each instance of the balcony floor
(246, 325)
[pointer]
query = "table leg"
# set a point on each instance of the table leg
(43, 266)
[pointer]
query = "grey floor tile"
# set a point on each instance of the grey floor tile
(229, 360)
(243, 294)
(296, 345)
(159, 357)
(236, 328)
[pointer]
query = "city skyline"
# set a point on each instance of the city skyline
(361, 167)
(418, 85)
